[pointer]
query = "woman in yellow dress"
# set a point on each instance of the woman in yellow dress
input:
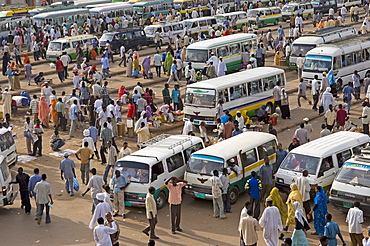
(278, 202)
(278, 56)
(294, 196)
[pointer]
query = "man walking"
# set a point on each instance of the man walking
(95, 184)
(348, 91)
(302, 92)
(365, 118)
(302, 134)
(119, 183)
(218, 206)
(102, 233)
(101, 209)
(73, 116)
(105, 67)
(43, 199)
(33, 181)
(225, 180)
(355, 218)
(109, 222)
(315, 92)
(67, 167)
(151, 213)
(174, 199)
(357, 84)
(254, 186)
(112, 158)
(65, 60)
(173, 74)
(248, 229)
(276, 92)
(84, 155)
(158, 63)
(122, 51)
(305, 188)
(265, 175)
(23, 180)
(331, 230)
(271, 223)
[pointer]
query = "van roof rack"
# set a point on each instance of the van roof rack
(153, 140)
(165, 144)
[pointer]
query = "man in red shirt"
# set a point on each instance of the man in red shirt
(60, 69)
(341, 115)
(131, 109)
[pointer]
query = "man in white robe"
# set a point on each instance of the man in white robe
(101, 209)
(271, 223)
(46, 91)
(7, 102)
(188, 127)
(327, 99)
(138, 124)
(213, 59)
(221, 70)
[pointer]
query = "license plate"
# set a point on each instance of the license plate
(347, 204)
(128, 204)
(201, 195)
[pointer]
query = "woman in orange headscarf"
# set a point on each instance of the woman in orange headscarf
(121, 91)
(94, 54)
(321, 25)
(44, 110)
(26, 58)
(54, 113)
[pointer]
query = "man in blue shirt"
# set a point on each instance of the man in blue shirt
(73, 113)
(254, 186)
(175, 95)
(280, 155)
(67, 169)
(331, 230)
(281, 32)
(236, 130)
(348, 91)
(94, 136)
(119, 183)
(173, 73)
(225, 117)
(35, 178)
(105, 67)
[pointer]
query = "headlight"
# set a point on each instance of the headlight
(280, 180)
(141, 198)
(335, 193)
(188, 186)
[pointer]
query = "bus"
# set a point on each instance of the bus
(348, 3)
(92, 6)
(244, 91)
(58, 17)
(8, 147)
(247, 150)
(59, 6)
(264, 16)
(343, 58)
(112, 10)
(241, 18)
(231, 48)
(197, 25)
(10, 24)
(303, 44)
(292, 9)
(189, 5)
(15, 10)
(145, 9)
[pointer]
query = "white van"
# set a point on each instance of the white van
(248, 150)
(352, 184)
(7, 194)
(322, 158)
(154, 164)
(293, 9)
(68, 44)
(198, 25)
(163, 28)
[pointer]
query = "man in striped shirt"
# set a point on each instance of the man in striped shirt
(254, 186)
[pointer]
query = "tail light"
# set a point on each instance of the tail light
(4, 190)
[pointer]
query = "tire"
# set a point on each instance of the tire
(139, 47)
(161, 200)
(308, 16)
(339, 84)
(276, 22)
(234, 195)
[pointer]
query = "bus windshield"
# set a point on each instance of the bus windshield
(252, 13)
(150, 30)
(315, 63)
(107, 36)
(200, 97)
(301, 49)
(187, 24)
(177, 5)
(201, 164)
(137, 172)
(299, 163)
(288, 8)
(355, 174)
(55, 46)
(196, 55)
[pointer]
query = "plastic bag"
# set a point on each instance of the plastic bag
(76, 187)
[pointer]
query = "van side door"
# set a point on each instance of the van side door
(327, 171)
(158, 175)
(175, 165)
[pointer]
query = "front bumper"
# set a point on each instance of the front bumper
(199, 194)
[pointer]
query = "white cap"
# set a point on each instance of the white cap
(238, 112)
(100, 196)
(86, 132)
(232, 160)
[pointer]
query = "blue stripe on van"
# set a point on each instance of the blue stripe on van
(249, 103)
(208, 158)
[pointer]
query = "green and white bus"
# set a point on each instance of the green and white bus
(241, 18)
(230, 48)
(248, 151)
(264, 16)
(58, 17)
(144, 9)
(112, 10)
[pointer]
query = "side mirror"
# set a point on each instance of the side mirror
(154, 177)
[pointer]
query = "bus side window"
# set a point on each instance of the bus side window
(357, 150)
(195, 24)
(249, 89)
(367, 53)
(261, 153)
(248, 157)
(157, 170)
(359, 56)
(254, 87)
(326, 164)
(232, 94)
(191, 150)
(234, 49)
(174, 162)
(337, 63)
(226, 95)
(342, 157)
(269, 147)
(222, 51)
(349, 59)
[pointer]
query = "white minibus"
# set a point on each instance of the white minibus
(154, 164)
(164, 29)
(198, 25)
(7, 193)
(248, 151)
(322, 158)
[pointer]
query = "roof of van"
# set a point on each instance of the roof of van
(221, 40)
(227, 80)
(3, 130)
(126, 30)
(70, 11)
(77, 37)
(325, 146)
(162, 149)
(243, 141)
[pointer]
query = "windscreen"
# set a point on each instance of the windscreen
(200, 97)
(252, 13)
(320, 64)
(288, 8)
(193, 55)
(137, 172)
(55, 46)
(149, 31)
(202, 164)
(301, 49)
(299, 163)
(355, 174)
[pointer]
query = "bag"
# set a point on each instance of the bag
(27, 134)
(150, 75)
(76, 187)
(321, 109)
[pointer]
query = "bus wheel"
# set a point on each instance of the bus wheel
(234, 195)
(339, 84)
(308, 16)
(139, 47)
(161, 200)
(276, 22)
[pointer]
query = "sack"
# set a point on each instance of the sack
(321, 109)
(76, 187)
(35, 138)
(27, 134)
